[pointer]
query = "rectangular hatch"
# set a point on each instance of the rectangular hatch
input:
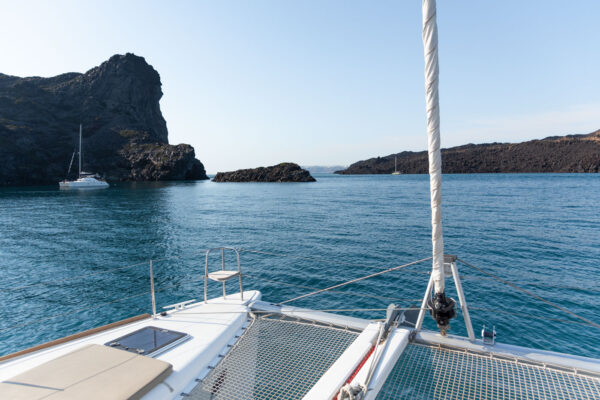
(148, 341)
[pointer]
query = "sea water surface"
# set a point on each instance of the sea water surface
(73, 260)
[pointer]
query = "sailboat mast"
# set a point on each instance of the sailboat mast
(71, 164)
(80, 129)
(442, 308)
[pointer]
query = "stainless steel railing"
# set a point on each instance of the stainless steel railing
(223, 280)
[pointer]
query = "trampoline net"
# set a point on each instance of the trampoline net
(275, 358)
(428, 372)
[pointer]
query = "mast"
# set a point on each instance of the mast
(71, 163)
(442, 308)
(395, 164)
(80, 129)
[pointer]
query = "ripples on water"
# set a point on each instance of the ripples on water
(540, 231)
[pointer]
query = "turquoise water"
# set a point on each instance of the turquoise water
(59, 250)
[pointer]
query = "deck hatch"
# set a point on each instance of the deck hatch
(148, 341)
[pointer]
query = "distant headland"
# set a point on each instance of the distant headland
(283, 172)
(125, 136)
(571, 153)
(323, 169)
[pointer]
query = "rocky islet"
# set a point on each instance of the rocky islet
(283, 172)
(125, 136)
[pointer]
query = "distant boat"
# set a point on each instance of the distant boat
(396, 167)
(85, 180)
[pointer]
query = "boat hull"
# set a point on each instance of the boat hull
(86, 183)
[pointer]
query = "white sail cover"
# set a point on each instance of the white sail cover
(430, 43)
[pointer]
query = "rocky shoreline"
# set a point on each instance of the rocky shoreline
(572, 153)
(284, 172)
(125, 136)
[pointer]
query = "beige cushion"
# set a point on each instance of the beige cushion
(93, 372)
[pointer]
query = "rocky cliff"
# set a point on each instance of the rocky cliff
(284, 172)
(124, 133)
(572, 153)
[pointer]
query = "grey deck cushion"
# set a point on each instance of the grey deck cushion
(93, 372)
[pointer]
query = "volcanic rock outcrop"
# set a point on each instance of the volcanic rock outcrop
(284, 172)
(125, 136)
(572, 153)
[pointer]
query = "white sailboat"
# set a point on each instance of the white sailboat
(239, 346)
(395, 166)
(85, 180)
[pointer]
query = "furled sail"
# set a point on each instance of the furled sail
(430, 43)
(441, 307)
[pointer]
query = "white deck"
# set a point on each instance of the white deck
(211, 327)
(216, 326)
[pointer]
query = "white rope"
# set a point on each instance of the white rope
(349, 392)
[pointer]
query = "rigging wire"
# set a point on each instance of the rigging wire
(467, 276)
(267, 253)
(315, 291)
(383, 298)
(38, 320)
(356, 280)
(79, 310)
(319, 259)
(316, 259)
(528, 315)
(537, 285)
(53, 282)
(529, 293)
(156, 260)
(303, 311)
(584, 321)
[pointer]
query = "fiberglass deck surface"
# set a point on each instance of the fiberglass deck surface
(275, 359)
(425, 372)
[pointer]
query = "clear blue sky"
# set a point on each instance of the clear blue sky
(252, 83)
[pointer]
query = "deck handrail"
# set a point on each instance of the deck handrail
(239, 267)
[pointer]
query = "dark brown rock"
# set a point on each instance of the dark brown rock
(284, 172)
(572, 153)
(125, 136)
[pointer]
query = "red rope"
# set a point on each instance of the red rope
(358, 368)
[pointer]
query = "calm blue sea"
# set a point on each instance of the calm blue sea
(59, 251)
